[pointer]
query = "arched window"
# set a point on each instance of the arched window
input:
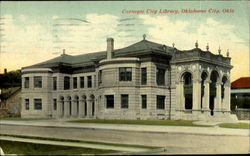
(188, 90)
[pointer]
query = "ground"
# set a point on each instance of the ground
(175, 139)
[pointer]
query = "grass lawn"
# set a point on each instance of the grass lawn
(235, 125)
(13, 147)
(23, 119)
(81, 141)
(144, 122)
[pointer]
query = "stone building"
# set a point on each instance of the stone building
(145, 80)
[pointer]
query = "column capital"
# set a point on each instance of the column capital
(219, 83)
(207, 81)
(196, 80)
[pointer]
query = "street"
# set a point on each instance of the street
(174, 143)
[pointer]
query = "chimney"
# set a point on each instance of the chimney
(5, 71)
(110, 48)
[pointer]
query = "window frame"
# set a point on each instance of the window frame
(55, 83)
(35, 104)
(74, 82)
(82, 82)
(158, 76)
(54, 104)
(38, 81)
(26, 82)
(66, 83)
(27, 104)
(125, 73)
(158, 104)
(143, 76)
(124, 101)
(89, 81)
(108, 105)
(144, 101)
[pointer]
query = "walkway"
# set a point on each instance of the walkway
(136, 128)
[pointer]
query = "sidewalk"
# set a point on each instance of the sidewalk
(137, 128)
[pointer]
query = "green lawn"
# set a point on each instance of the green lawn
(23, 119)
(13, 147)
(235, 125)
(144, 122)
(81, 141)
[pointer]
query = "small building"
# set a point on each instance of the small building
(10, 102)
(143, 81)
(240, 88)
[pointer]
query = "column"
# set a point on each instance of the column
(81, 108)
(227, 97)
(178, 102)
(218, 97)
(196, 94)
(74, 107)
(89, 108)
(66, 108)
(182, 98)
(59, 109)
(205, 99)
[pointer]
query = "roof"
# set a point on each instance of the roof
(243, 82)
(141, 46)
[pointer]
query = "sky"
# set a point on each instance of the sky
(33, 32)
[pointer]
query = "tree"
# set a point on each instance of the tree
(10, 79)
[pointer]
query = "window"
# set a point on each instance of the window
(54, 104)
(143, 76)
(160, 102)
(89, 81)
(37, 81)
(100, 77)
(82, 82)
(125, 74)
(75, 82)
(38, 104)
(26, 82)
(160, 76)
(66, 82)
(124, 101)
(27, 104)
(109, 101)
(54, 83)
(143, 101)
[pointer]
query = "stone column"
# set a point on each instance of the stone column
(218, 97)
(178, 95)
(196, 94)
(182, 98)
(66, 108)
(81, 108)
(227, 97)
(59, 109)
(89, 108)
(205, 99)
(73, 105)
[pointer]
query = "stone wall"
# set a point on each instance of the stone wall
(242, 114)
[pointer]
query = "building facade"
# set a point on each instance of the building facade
(143, 81)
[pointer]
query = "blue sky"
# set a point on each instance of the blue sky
(32, 32)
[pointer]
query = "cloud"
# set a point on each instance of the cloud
(23, 44)
(164, 30)
(32, 43)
